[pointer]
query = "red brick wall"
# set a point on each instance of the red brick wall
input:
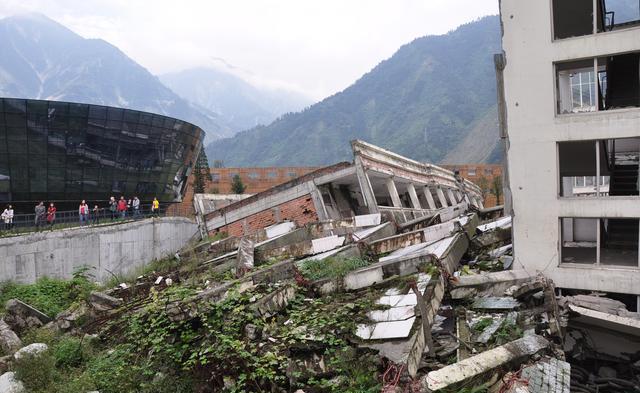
(300, 210)
(255, 179)
(474, 172)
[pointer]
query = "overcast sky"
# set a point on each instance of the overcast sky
(318, 47)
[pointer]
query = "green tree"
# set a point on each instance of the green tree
(237, 186)
(201, 172)
(496, 188)
(484, 185)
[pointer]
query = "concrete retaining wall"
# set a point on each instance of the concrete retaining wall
(119, 249)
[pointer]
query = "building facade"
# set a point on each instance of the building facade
(65, 152)
(569, 103)
(486, 176)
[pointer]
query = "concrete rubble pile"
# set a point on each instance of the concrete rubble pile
(447, 311)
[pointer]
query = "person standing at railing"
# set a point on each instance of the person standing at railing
(113, 206)
(83, 212)
(51, 215)
(136, 207)
(95, 218)
(7, 217)
(122, 207)
(155, 207)
(40, 212)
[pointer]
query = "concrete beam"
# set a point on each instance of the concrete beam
(365, 187)
(489, 284)
(415, 202)
(393, 192)
(452, 198)
(443, 200)
(510, 354)
(429, 196)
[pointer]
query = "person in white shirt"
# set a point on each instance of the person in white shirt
(7, 217)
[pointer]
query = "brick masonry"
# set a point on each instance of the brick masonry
(300, 210)
(474, 172)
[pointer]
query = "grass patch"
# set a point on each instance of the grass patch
(331, 267)
(49, 295)
(482, 324)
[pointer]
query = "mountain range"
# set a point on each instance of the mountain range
(42, 59)
(434, 100)
(241, 104)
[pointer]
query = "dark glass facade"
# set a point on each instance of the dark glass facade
(66, 152)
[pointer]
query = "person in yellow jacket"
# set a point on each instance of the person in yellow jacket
(155, 207)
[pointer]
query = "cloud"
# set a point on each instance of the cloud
(317, 47)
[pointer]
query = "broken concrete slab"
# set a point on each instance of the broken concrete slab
(500, 251)
(513, 353)
(598, 303)
(489, 331)
(606, 321)
(392, 314)
(503, 223)
(489, 284)
(372, 234)
(244, 258)
(385, 330)
(21, 316)
(274, 302)
(367, 220)
(495, 304)
(279, 229)
(103, 302)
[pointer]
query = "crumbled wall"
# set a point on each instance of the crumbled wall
(300, 210)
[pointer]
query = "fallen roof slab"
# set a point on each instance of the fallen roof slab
(512, 353)
(607, 321)
(503, 223)
(489, 284)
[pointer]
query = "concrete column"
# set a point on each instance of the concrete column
(393, 192)
(443, 200)
(415, 202)
(458, 195)
(365, 187)
(452, 197)
(429, 196)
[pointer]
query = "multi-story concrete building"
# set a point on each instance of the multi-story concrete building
(569, 101)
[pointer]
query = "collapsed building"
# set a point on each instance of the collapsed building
(378, 181)
(348, 275)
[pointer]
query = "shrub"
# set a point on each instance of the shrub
(37, 372)
(331, 267)
(68, 352)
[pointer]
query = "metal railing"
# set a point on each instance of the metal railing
(25, 223)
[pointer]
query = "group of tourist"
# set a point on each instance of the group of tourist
(117, 208)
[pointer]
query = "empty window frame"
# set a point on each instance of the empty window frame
(605, 83)
(617, 14)
(471, 172)
(582, 169)
(574, 18)
(254, 175)
(599, 241)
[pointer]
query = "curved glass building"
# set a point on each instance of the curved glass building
(65, 152)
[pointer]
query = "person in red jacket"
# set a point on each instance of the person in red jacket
(122, 207)
(51, 215)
